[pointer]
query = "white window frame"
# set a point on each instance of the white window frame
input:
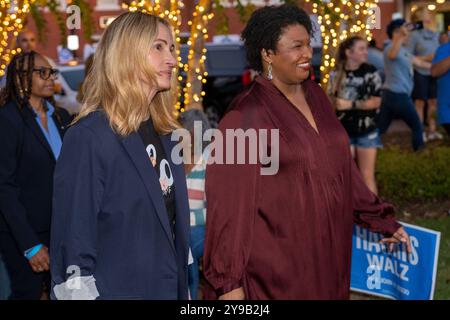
(107, 5)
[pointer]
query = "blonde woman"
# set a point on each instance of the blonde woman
(120, 223)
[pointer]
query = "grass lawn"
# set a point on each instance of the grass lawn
(418, 185)
(442, 291)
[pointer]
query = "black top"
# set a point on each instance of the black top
(360, 84)
(158, 159)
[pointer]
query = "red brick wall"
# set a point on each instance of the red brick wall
(387, 9)
(53, 38)
(48, 47)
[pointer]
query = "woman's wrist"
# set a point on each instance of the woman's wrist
(30, 253)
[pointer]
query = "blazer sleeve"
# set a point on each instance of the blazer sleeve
(11, 208)
(370, 211)
(231, 193)
(78, 190)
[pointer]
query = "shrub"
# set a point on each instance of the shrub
(404, 176)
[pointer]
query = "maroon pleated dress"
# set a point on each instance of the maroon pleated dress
(289, 235)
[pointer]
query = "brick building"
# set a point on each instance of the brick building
(105, 9)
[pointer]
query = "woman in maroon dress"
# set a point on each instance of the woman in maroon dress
(287, 235)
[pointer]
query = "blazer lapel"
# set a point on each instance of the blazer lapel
(30, 120)
(61, 128)
(136, 150)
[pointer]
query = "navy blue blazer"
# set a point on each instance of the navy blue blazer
(110, 220)
(26, 174)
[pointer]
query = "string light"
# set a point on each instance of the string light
(12, 14)
(195, 66)
(169, 10)
(196, 75)
(339, 20)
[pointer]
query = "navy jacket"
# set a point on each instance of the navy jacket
(26, 174)
(109, 217)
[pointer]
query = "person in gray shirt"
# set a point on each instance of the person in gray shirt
(375, 57)
(396, 98)
(422, 43)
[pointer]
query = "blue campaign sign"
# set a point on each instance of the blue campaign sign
(395, 275)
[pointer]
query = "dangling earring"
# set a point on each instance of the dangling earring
(269, 71)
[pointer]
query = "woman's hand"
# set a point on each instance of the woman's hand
(399, 236)
(402, 35)
(343, 104)
(236, 294)
(40, 262)
(372, 103)
(418, 62)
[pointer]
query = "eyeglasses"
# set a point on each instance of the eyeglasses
(46, 73)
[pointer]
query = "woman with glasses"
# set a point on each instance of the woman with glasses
(31, 131)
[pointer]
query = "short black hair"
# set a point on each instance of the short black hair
(265, 27)
(394, 25)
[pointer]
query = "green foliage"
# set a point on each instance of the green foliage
(39, 20)
(442, 225)
(404, 176)
(244, 12)
(37, 14)
(52, 5)
(86, 18)
(222, 25)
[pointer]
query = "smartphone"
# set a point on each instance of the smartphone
(414, 26)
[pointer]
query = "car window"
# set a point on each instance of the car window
(73, 78)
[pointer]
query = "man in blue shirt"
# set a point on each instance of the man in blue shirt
(441, 70)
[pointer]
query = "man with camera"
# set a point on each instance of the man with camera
(396, 98)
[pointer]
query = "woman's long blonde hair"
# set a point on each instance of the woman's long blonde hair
(115, 83)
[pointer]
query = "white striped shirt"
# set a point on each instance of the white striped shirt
(195, 181)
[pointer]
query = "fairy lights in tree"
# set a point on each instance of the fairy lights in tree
(12, 16)
(339, 20)
(195, 66)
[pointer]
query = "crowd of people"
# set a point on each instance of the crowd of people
(98, 199)
(370, 88)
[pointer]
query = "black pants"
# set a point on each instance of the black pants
(447, 128)
(25, 284)
(400, 105)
